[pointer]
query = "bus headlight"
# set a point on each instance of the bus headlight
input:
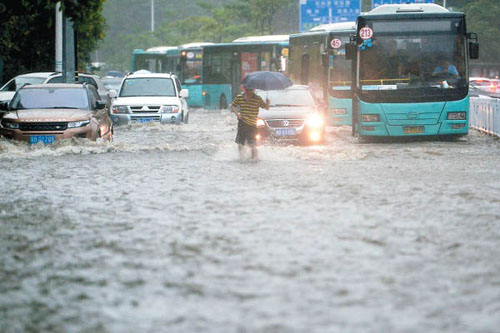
(120, 109)
(339, 111)
(315, 121)
(260, 123)
(370, 117)
(456, 116)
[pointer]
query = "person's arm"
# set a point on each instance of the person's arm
(235, 109)
(265, 105)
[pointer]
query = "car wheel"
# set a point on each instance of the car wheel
(223, 102)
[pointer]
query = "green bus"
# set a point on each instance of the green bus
(185, 61)
(324, 68)
(226, 64)
(411, 71)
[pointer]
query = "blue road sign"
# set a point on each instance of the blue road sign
(316, 12)
(377, 3)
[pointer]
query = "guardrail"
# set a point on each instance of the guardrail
(485, 115)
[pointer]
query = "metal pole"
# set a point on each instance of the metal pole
(444, 3)
(152, 16)
(59, 39)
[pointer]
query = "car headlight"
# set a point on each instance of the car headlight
(10, 124)
(456, 116)
(75, 124)
(315, 120)
(170, 109)
(260, 123)
(120, 109)
(370, 117)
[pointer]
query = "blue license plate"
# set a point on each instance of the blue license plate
(42, 138)
(144, 120)
(285, 131)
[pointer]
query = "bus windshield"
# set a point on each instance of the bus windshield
(340, 72)
(413, 64)
(192, 71)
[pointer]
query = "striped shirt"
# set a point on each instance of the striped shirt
(249, 110)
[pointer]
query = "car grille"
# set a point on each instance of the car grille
(285, 123)
(146, 108)
(154, 118)
(56, 126)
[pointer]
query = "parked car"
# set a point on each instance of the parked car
(292, 116)
(85, 78)
(9, 89)
(146, 97)
(112, 83)
(117, 74)
(54, 111)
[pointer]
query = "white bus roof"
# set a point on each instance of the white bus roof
(193, 45)
(268, 38)
(408, 8)
(161, 49)
(335, 26)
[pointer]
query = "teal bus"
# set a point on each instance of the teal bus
(226, 64)
(411, 71)
(325, 69)
(184, 61)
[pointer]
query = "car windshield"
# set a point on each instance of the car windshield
(147, 87)
(288, 97)
(51, 98)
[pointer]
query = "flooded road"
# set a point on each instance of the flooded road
(166, 229)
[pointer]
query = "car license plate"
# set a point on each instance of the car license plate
(42, 138)
(285, 131)
(144, 120)
(413, 129)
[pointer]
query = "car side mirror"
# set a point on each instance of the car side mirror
(4, 106)
(184, 93)
(100, 105)
(474, 50)
(112, 94)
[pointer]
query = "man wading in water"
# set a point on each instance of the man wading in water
(249, 104)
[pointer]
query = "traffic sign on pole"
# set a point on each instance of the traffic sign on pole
(377, 3)
(316, 12)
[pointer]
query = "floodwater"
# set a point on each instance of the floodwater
(167, 230)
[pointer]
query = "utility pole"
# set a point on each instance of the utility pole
(59, 39)
(152, 15)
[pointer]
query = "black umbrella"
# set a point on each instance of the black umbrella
(266, 81)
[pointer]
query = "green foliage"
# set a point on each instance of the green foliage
(483, 17)
(27, 42)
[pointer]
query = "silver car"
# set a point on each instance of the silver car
(293, 116)
(146, 97)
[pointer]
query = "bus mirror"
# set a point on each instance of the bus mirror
(474, 50)
(350, 51)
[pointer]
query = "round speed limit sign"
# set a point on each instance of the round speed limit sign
(366, 33)
(336, 43)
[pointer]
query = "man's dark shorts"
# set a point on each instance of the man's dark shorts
(246, 134)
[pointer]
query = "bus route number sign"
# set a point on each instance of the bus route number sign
(365, 33)
(336, 43)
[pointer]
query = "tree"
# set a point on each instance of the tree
(27, 42)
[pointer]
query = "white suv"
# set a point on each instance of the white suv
(146, 97)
